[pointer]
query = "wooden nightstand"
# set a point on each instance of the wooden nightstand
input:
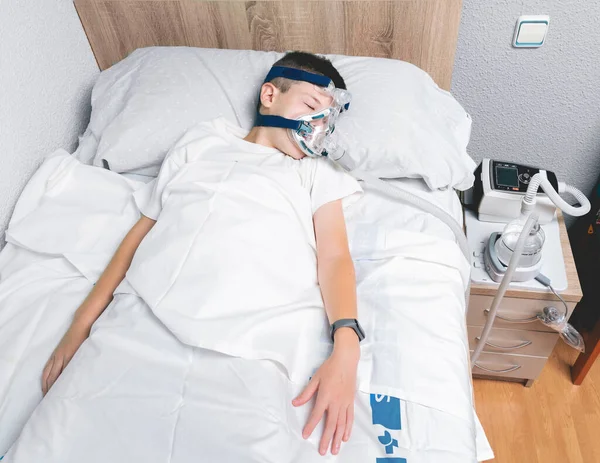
(519, 344)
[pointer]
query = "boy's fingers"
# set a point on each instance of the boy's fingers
(313, 420)
(331, 422)
(46, 373)
(339, 432)
(349, 422)
(307, 393)
(55, 372)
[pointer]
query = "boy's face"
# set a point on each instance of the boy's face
(301, 99)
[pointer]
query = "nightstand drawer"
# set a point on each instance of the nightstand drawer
(509, 366)
(521, 342)
(516, 313)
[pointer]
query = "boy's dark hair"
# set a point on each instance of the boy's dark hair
(306, 62)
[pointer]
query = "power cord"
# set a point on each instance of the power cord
(543, 279)
(552, 318)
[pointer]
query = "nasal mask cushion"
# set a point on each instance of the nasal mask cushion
(311, 132)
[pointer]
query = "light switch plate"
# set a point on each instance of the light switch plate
(531, 31)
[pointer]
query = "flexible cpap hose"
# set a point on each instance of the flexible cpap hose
(579, 196)
(541, 180)
(410, 198)
(396, 192)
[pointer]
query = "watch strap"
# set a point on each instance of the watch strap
(350, 323)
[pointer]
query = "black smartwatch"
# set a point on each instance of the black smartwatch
(350, 323)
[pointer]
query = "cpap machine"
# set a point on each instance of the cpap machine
(508, 193)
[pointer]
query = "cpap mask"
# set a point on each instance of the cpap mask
(311, 132)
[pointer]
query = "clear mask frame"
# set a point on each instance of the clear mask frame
(314, 135)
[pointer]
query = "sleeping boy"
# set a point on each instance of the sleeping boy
(263, 215)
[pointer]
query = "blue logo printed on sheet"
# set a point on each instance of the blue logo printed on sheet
(388, 442)
(391, 460)
(386, 411)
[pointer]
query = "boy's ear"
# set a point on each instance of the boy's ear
(268, 94)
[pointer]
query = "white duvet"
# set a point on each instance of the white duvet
(134, 391)
(231, 263)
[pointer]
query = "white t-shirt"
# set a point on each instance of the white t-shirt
(220, 140)
(231, 263)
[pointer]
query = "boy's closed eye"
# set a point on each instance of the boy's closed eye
(313, 102)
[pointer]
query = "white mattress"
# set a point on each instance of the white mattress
(134, 392)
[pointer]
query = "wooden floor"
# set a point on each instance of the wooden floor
(553, 421)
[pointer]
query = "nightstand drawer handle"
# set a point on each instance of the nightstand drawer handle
(518, 346)
(508, 370)
(514, 320)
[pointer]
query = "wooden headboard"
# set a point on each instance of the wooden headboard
(423, 32)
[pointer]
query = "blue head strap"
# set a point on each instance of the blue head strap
(297, 74)
(264, 120)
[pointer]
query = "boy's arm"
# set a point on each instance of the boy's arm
(95, 302)
(335, 381)
(102, 293)
(334, 266)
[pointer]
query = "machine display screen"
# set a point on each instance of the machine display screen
(507, 176)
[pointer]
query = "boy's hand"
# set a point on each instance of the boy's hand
(63, 354)
(335, 386)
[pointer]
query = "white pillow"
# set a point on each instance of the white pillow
(400, 124)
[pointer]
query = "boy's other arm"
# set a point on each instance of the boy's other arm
(102, 293)
(96, 301)
(335, 381)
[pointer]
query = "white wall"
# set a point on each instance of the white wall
(535, 106)
(46, 74)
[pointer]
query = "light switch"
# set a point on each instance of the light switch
(531, 31)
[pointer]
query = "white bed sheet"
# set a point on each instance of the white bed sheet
(31, 272)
